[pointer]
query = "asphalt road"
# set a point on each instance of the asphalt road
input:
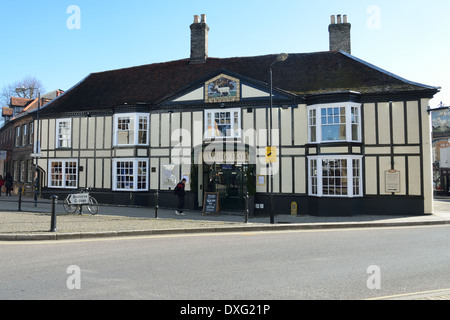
(331, 264)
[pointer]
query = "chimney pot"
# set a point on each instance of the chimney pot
(340, 34)
(199, 40)
(333, 19)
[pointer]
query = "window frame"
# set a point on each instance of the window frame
(136, 117)
(354, 176)
(208, 128)
(24, 135)
(64, 174)
(31, 133)
(30, 170)
(316, 125)
(58, 134)
(135, 175)
(17, 136)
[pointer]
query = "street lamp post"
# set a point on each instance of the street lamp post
(37, 146)
(280, 58)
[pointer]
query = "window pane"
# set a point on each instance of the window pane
(356, 177)
(64, 174)
(355, 124)
(142, 175)
(333, 132)
(124, 175)
(30, 170)
(334, 177)
(131, 175)
(56, 174)
(224, 124)
(125, 130)
(63, 134)
(312, 126)
(143, 128)
(313, 173)
(71, 174)
(333, 124)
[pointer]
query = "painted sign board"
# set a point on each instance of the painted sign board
(79, 198)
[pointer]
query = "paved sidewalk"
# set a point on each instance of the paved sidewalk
(33, 223)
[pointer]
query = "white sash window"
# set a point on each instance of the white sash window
(334, 122)
(63, 173)
(131, 129)
(63, 133)
(130, 175)
(335, 176)
(223, 123)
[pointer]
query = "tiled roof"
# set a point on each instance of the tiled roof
(20, 102)
(301, 74)
(7, 112)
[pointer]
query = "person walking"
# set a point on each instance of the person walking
(2, 182)
(180, 192)
(8, 183)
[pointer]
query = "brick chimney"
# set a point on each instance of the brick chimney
(199, 40)
(340, 34)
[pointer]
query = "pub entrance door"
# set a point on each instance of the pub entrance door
(229, 180)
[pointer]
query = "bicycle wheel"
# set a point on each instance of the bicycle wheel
(92, 206)
(70, 208)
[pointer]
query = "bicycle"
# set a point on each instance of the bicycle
(72, 203)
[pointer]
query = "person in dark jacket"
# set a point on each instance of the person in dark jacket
(180, 192)
(8, 183)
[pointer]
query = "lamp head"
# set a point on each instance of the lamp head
(282, 57)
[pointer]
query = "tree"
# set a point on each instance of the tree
(30, 84)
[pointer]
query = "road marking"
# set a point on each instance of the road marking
(422, 293)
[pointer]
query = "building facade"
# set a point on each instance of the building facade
(347, 137)
(17, 141)
(441, 150)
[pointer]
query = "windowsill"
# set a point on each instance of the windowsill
(334, 143)
(329, 196)
(131, 146)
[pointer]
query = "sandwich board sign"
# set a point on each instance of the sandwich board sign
(211, 203)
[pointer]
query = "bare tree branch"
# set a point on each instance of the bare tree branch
(31, 84)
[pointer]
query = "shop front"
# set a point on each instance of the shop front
(225, 169)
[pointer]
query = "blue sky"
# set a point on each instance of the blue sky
(407, 38)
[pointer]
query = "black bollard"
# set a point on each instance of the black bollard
(156, 204)
(53, 221)
(20, 199)
(246, 207)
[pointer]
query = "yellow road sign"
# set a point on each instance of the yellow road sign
(271, 154)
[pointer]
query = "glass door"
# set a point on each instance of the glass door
(229, 181)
